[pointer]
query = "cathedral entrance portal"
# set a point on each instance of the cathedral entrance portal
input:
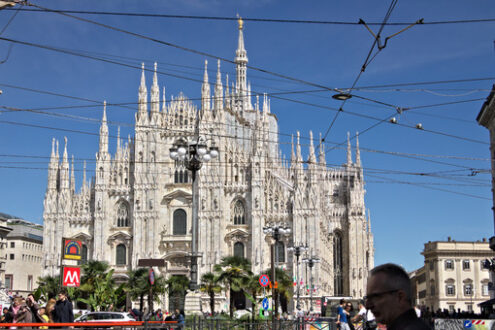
(239, 299)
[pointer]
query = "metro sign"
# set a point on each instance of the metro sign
(72, 277)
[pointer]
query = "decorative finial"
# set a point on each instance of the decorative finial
(240, 21)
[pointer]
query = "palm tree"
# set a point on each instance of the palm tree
(285, 288)
(136, 285)
(231, 271)
(252, 290)
(209, 285)
(48, 287)
(177, 286)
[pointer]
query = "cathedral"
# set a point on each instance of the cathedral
(139, 204)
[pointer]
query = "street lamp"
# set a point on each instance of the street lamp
(275, 231)
(193, 154)
(311, 261)
(298, 249)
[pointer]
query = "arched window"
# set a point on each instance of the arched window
(121, 254)
(239, 249)
(280, 252)
(84, 255)
(123, 215)
(181, 174)
(338, 266)
(180, 222)
(238, 214)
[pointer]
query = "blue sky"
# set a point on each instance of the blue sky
(407, 209)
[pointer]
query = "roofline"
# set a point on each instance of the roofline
(486, 104)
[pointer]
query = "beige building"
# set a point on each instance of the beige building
(4, 230)
(24, 254)
(453, 276)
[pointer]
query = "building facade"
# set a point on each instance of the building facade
(4, 231)
(453, 276)
(24, 254)
(139, 203)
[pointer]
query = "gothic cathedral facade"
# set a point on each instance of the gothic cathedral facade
(139, 204)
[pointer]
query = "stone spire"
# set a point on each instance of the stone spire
(84, 177)
(72, 178)
(64, 168)
(292, 154)
(358, 153)
(104, 131)
(312, 156)
(241, 61)
(143, 96)
(155, 94)
(164, 101)
(205, 90)
(369, 221)
(53, 168)
(322, 157)
(218, 90)
(298, 151)
(349, 155)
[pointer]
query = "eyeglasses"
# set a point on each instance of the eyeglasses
(378, 294)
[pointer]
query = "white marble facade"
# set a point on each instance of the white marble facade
(136, 204)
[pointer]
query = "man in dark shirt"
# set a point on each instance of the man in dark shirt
(389, 298)
(63, 309)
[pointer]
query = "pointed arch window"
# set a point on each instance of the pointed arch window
(121, 254)
(239, 217)
(180, 222)
(338, 264)
(123, 215)
(280, 252)
(181, 174)
(239, 249)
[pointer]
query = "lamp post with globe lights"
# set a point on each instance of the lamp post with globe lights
(311, 261)
(275, 231)
(194, 153)
(298, 249)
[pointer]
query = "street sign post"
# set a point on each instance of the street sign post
(72, 277)
(265, 303)
(264, 280)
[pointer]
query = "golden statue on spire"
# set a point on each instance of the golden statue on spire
(240, 21)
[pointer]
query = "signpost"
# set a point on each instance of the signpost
(71, 277)
(265, 303)
(264, 280)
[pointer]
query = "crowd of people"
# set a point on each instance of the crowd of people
(27, 310)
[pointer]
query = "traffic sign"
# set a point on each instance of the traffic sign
(265, 303)
(72, 249)
(72, 277)
(264, 280)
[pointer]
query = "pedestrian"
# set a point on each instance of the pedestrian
(388, 295)
(349, 312)
(179, 317)
(49, 308)
(34, 307)
(366, 316)
(342, 316)
(24, 315)
(62, 312)
(43, 317)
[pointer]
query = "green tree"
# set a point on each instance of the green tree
(232, 271)
(209, 285)
(177, 286)
(136, 285)
(285, 288)
(48, 287)
(252, 289)
(98, 286)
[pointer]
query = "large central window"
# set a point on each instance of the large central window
(123, 215)
(338, 264)
(180, 222)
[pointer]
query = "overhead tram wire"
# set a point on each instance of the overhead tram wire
(181, 77)
(253, 19)
(111, 136)
(367, 61)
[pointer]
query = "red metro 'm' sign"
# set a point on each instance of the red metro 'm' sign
(72, 277)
